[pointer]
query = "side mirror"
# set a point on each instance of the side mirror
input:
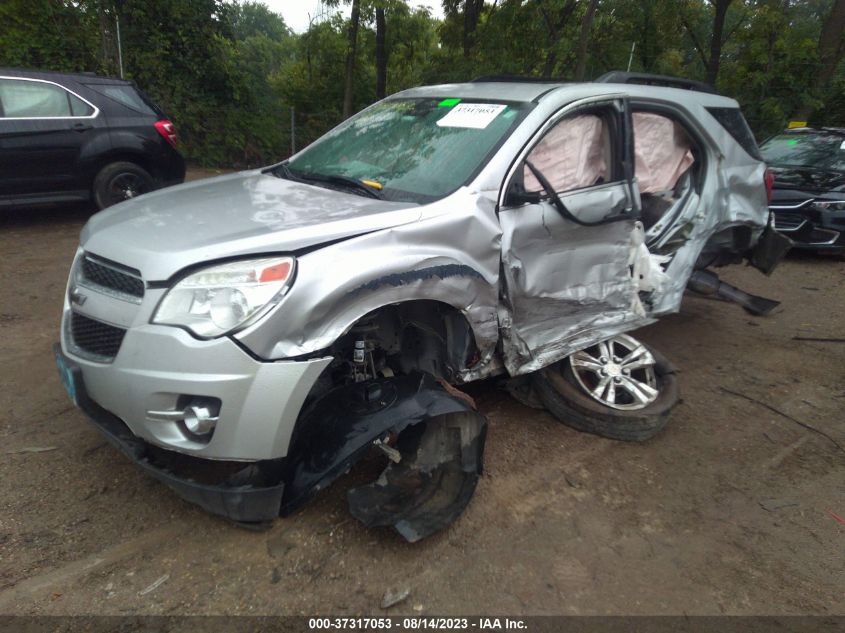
(517, 196)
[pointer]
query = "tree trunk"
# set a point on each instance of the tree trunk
(831, 50)
(109, 57)
(381, 55)
(551, 61)
(584, 40)
(352, 47)
(554, 33)
(472, 12)
(716, 41)
(648, 47)
(831, 43)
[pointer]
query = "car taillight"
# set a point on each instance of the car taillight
(769, 178)
(167, 130)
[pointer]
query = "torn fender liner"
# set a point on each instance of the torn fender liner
(340, 428)
(769, 249)
(434, 481)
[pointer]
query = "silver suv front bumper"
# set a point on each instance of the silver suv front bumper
(158, 364)
(155, 368)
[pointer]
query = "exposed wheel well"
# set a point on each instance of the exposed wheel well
(427, 336)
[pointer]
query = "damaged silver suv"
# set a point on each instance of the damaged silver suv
(247, 339)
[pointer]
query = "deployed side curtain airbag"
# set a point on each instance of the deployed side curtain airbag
(662, 151)
(571, 156)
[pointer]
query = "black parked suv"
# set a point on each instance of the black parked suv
(808, 200)
(76, 137)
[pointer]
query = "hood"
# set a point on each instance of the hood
(238, 214)
(808, 179)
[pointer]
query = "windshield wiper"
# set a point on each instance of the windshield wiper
(332, 179)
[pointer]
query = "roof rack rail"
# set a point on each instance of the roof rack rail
(515, 79)
(645, 79)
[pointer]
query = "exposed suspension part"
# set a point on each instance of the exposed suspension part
(363, 361)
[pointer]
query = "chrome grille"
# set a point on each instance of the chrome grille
(111, 277)
(95, 339)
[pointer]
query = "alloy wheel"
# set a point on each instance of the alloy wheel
(618, 373)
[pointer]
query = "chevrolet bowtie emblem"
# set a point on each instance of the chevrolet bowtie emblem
(77, 297)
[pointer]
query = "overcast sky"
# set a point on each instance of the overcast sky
(295, 12)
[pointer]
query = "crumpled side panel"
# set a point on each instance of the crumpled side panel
(568, 285)
(451, 255)
(732, 195)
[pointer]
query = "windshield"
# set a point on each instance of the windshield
(808, 150)
(414, 150)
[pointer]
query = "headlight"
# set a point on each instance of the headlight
(219, 299)
(831, 206)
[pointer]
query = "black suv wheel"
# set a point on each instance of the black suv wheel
(120, 181)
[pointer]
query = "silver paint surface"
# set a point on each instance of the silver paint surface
(564, 286)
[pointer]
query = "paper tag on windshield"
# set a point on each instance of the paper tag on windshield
(473, 115)
(842, 146)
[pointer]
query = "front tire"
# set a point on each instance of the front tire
(120, 181)
(568, 392)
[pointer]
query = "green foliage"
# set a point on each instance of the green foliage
(254, 18)
(55, 34)
(312, 81)
(769, 64)
(229, 73)
(769, 48)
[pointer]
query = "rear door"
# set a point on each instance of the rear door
(43, 130)
(567, 263)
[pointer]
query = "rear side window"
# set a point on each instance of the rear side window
(733, 121)
(78, 107)
(663, 152)
(21, 98)
(125, 96)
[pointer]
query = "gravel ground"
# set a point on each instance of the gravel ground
(735, 509)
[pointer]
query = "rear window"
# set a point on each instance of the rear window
(733, 121)
(126, 96)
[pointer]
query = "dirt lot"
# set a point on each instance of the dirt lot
(733, 509)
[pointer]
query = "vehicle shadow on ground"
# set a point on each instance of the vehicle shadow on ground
(21, 217)
(809, 256)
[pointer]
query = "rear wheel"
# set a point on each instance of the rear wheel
(120, 181)
(620, 389)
